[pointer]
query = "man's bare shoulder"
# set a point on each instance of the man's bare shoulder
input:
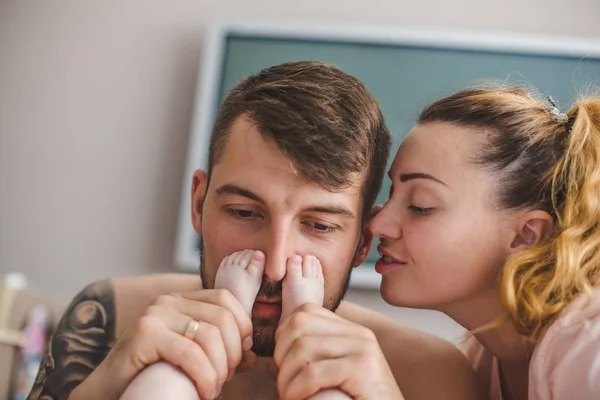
(417, 358)
(83, 337)
(92, 323)
(156, 284)
(134, 294)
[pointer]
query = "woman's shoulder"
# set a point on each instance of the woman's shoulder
(484, 364)
(581, 320)
(566, 360)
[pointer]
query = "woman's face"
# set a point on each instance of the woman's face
(443, 239)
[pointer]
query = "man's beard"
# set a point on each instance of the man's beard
(263, 329)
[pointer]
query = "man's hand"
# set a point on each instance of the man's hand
(316, 349)
(208, 360)
(330, 394)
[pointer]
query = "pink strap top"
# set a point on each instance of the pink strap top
(565, 364)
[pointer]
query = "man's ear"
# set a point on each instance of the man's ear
(199, 182)
(364, 246)
(533, 227)
(366, 239)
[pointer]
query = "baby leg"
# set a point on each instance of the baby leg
(161, 381)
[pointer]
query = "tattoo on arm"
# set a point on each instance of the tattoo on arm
(82, 339)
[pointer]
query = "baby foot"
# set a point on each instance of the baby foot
(241, 273)
(303, 283)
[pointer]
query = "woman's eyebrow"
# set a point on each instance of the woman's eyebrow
(420, 175)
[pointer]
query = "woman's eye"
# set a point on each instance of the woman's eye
(420, 210)
(243, 214)
(321, 228)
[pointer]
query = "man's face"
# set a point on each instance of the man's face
(256, 200)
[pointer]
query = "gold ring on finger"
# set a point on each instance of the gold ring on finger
(191, 328)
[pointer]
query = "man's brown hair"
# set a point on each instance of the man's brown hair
(323, 119)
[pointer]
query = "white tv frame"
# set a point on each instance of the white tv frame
(186, 255)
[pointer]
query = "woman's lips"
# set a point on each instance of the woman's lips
(384, 265)
(387, 262)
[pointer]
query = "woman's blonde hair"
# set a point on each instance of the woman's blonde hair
(542, 162)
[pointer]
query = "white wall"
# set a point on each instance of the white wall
(95, 106)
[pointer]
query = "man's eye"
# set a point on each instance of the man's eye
(419, 210)
(242, 214)
(320, 228)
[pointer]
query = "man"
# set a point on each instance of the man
(296, 160)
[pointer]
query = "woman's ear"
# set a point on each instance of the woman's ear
(199, 182)
(533, 227)
(366, 239)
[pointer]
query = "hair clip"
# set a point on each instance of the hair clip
(555, 113)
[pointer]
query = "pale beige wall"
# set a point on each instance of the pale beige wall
(95, 106)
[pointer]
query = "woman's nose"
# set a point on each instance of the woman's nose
(385, 222)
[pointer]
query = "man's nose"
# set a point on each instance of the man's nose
(386, 222)
(280, 246)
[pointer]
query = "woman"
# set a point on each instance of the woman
(494, 219)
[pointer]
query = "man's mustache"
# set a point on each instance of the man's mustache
(270, 289)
